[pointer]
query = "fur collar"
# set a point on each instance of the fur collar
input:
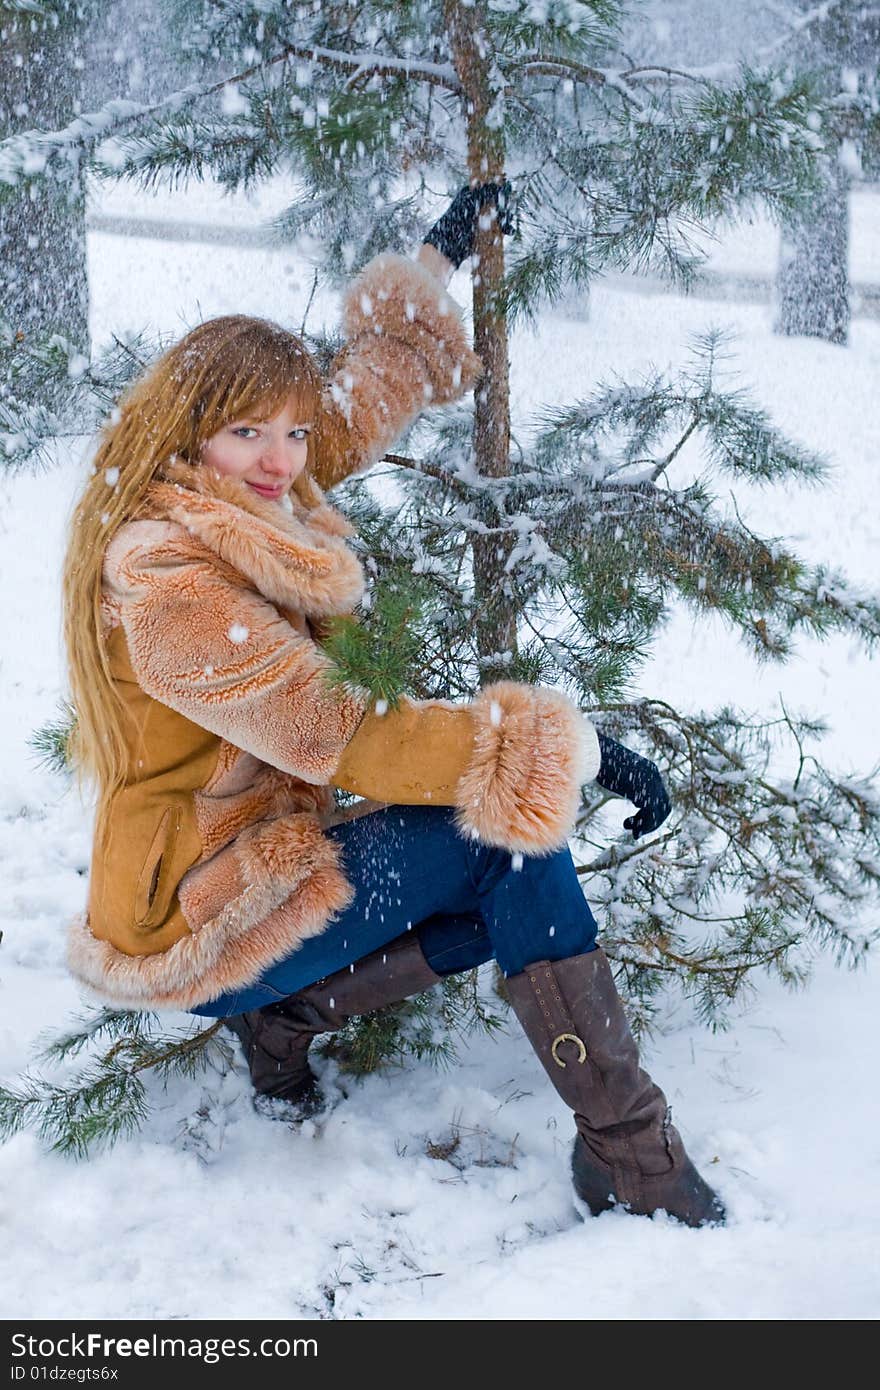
(295, 556)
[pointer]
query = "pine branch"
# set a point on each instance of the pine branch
(423, 1028)
(108, 1105)
(554, 65)
(379, 653)
(51, 14)
(88, 1028)
(107, 1100)
(51, 742)
(36, 153)
(567, 30)
(796, 26)
(54, 369)
(801, 854)
(426, 469)
(632, 192)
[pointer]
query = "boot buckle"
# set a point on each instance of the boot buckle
(568, 1037)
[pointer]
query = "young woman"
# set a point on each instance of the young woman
(203, 559)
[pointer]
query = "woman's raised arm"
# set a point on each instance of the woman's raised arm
(406, 346)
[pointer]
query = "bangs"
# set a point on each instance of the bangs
(247, 367)
(262, 395)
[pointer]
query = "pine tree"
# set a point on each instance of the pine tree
(57, 60)
(552, 550)
(43, 284)
(840, 44)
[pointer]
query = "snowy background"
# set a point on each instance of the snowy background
(214, 1211)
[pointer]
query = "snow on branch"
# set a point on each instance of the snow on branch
(33, 153)
(558, 65)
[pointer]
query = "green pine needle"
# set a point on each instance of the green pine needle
(51, 742)
(106, 1100)
(380, 651)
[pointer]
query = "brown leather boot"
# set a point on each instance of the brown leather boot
(627, 1151)
(276, 1038)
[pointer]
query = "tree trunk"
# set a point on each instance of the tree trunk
(495, 618)
(813, 279)
(43, 280)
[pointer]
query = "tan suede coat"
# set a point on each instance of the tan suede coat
(211, 863)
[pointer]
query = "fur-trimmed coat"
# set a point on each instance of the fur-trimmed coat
(211, 862)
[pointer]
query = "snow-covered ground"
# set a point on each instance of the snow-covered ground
(350, 1216)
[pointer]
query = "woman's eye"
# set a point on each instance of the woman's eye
(244, 430)
(299, 434)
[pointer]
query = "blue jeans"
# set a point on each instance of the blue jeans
(412, 869)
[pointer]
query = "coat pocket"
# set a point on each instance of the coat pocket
(157, 880)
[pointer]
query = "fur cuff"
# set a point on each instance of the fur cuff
(396, 296)
(533, 751)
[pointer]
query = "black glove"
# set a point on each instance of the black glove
(455, 232)
(624, 773)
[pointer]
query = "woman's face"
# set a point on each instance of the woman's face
(265, 454)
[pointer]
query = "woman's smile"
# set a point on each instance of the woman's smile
(273, 492)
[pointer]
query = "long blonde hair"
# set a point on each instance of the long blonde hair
(224, 369)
